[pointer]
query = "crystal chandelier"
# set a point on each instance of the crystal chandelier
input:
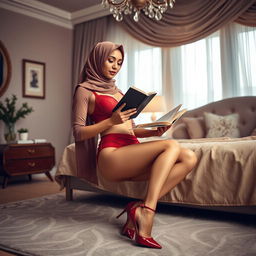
(152, 8)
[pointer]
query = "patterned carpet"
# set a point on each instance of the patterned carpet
(87, 226)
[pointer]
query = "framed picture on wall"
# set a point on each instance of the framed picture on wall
(33, 79)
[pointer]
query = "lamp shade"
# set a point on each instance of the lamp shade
(157, 104)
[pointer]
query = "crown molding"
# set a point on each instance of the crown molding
(52, 14)
(90, 13)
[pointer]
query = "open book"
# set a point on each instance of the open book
(166, 120)
(135, 98)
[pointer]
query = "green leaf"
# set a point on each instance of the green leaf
(9, 113)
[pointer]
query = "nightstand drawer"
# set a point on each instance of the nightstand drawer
(23, 159)
(28, 152)
(23, 166)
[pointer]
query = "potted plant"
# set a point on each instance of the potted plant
(10, 115)
(23, 133)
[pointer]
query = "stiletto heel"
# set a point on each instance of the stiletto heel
(129, 232)
(141, 240)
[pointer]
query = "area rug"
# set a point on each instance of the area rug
(52, 226)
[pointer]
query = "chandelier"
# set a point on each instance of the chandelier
(154, 9)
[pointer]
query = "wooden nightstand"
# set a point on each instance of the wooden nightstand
(22, 159)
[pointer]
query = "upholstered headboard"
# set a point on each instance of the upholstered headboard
(244, 106)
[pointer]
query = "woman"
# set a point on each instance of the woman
(120, 156)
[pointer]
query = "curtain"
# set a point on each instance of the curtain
(218, 66)
(196, 72)
(238, 46)
(248, 18)
(188, 21)
(189, 74)
(86, 35)
(142, 66)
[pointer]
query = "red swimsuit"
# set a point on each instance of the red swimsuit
(103, 110)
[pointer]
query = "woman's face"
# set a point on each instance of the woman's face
(113, 64)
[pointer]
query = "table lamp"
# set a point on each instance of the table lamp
(157, 104)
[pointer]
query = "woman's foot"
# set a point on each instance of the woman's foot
(142, 217)
(145, 218)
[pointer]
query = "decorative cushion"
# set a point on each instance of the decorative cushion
(254, 132)
(221, 126)
(179, 132)
(195, 127)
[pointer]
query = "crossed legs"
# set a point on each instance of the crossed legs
(163, 163)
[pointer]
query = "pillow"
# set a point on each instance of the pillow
(195, 127)
(254, 132)
(221, 126)
(179, 132)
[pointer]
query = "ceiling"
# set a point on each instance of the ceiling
(71, 5)
(65, 13)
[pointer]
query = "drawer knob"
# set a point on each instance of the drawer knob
(31, 164)
(31, 151)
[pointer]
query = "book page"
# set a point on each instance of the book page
(178, 115)
(166, 120)
(170, 115)
(139, 90)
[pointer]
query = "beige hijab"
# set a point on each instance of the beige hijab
(91, 76)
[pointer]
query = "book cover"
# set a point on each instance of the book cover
(135, 98)
(168, 119)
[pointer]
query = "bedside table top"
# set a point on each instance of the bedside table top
(24, 144)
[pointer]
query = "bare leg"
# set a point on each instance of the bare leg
(133, 161)
(126, 163)
(187, 161)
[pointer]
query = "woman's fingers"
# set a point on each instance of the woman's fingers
(129, 111)
(120, 116)
(127, 114)
(162, 130)
(121, 107)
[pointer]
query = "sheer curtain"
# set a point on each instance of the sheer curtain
(239, 60)
(219, 66)
(196, 72)
(142, 65)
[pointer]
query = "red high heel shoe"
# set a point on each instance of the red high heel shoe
(129, 232)
(141, 240)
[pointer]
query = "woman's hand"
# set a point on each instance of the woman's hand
(161, 130)
(119, 117)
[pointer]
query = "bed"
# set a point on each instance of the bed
(224, 177)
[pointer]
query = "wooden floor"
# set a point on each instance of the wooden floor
(20, 188)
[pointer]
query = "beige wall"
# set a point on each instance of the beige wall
(29, 38)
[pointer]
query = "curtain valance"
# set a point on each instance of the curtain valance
(190, 21)
(248, 18)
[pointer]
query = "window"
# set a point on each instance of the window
(196, 72)
(142, 65)
(246, 59)
(219, 66)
